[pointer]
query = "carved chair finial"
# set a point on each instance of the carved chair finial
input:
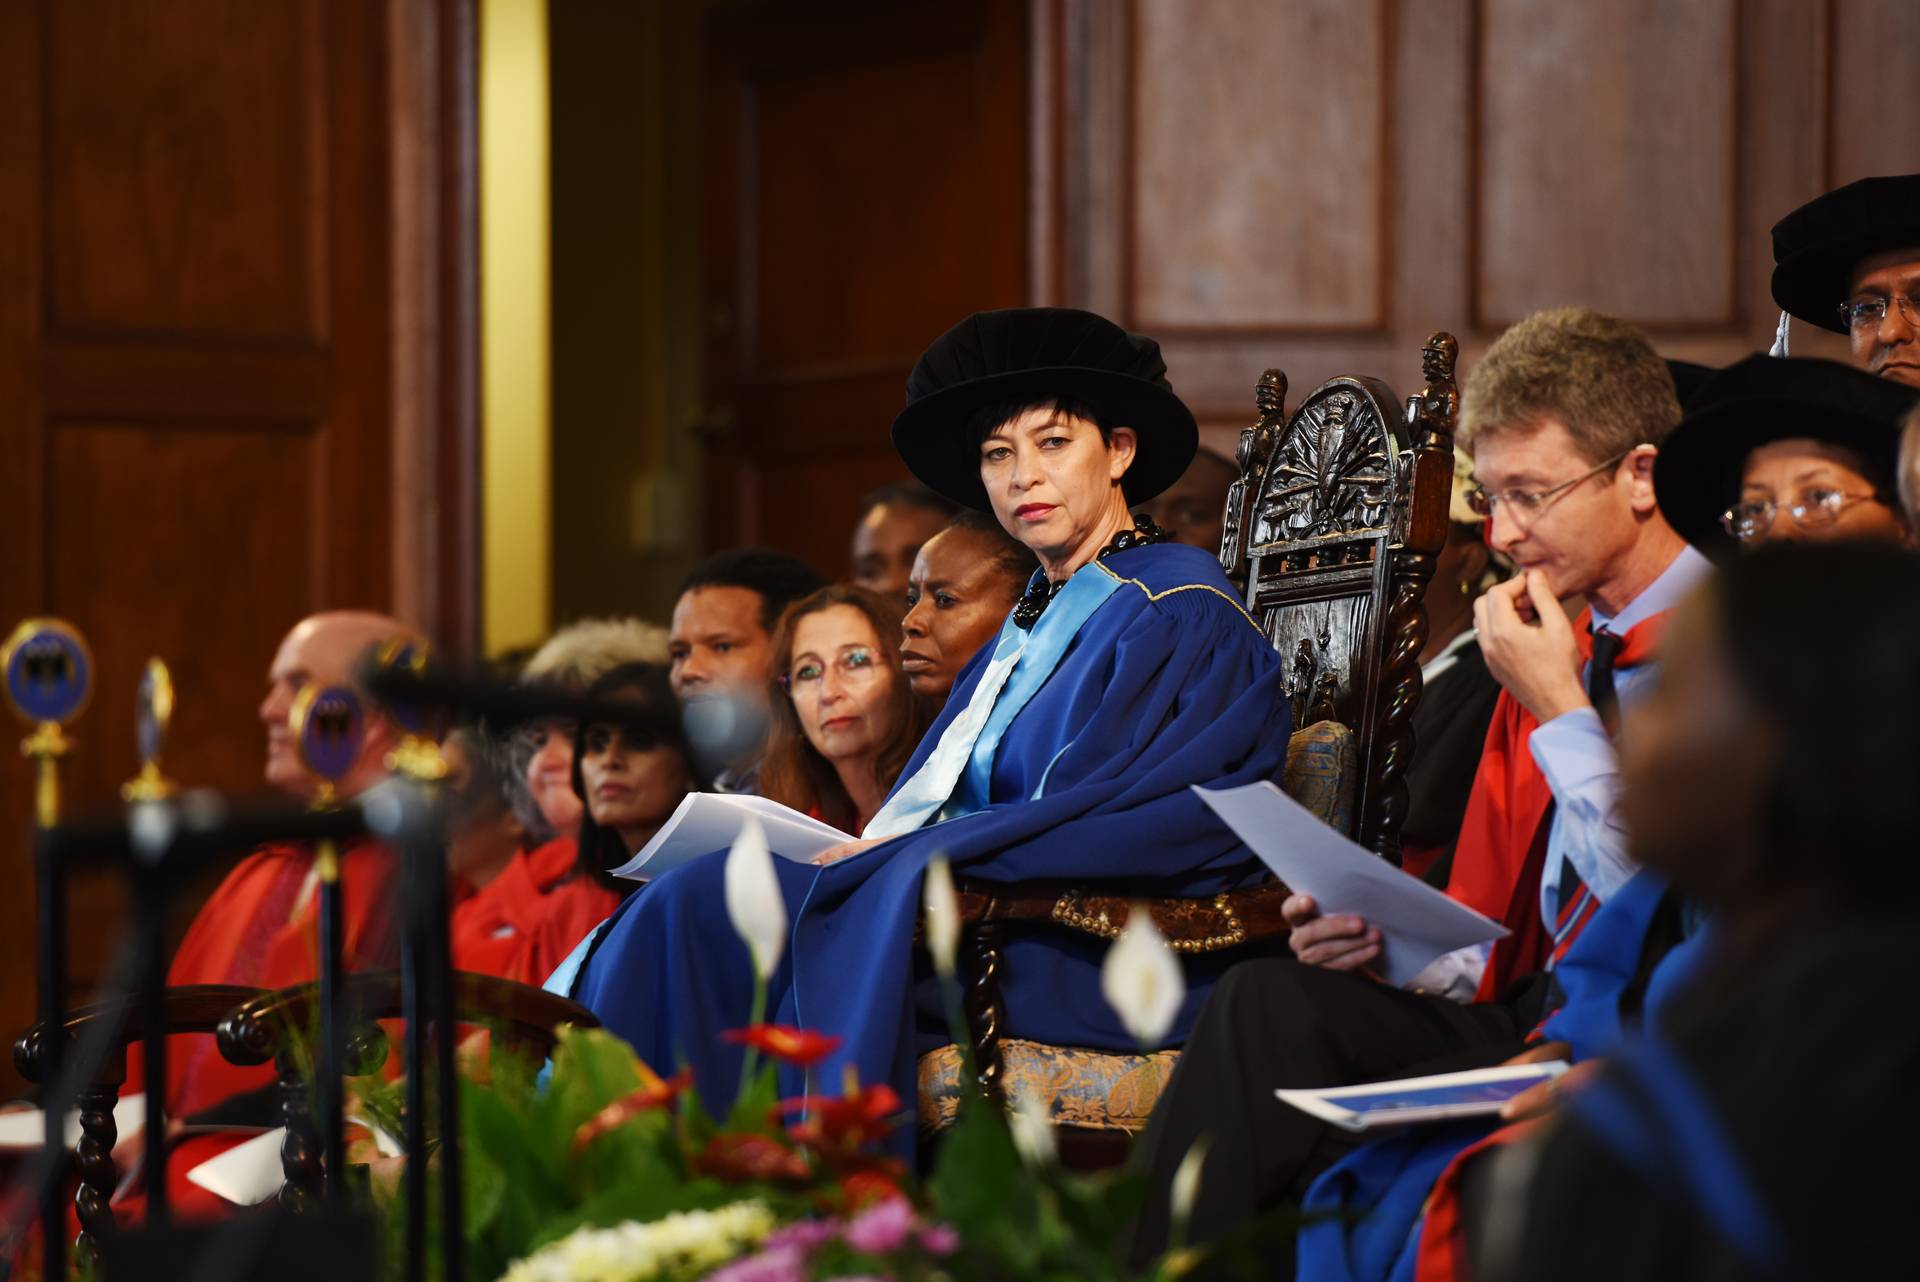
(1439, 401)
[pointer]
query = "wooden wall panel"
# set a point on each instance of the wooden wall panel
(845, 193)
(1874, 111)
(1259, 165)
(232, 364)
(186, 529)
(1629, 157)
(866, 168)
(186, 169)
(1607, 140)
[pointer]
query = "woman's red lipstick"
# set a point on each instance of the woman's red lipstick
(1033, 511)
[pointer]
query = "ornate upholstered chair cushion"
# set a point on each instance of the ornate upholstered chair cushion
(1102, 1090)
(1092, 1090)
(1320, 771)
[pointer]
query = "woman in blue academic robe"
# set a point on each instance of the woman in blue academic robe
(1127, 673)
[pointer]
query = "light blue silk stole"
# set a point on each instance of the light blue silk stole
(954, 779)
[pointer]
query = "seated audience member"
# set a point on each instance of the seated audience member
(484, 841)
(845, 720)
(630, 776)
(718, 646)
(895, 523)
(493, 924)
(258, 928)
(1194, 508)
(1785, 448)
(1849, 261)
(1457, 693)
(1767, 1130)
(965, 581)
(1127, 674)
(540, 774)
(1564, 417)
(1910, 468)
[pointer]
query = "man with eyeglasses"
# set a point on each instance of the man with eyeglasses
(1775, 449)
(1564, 417)
(1849, 261)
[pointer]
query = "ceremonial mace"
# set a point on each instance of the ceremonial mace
(49, 674)
(328, 727)
(153, 713)
(426, 970)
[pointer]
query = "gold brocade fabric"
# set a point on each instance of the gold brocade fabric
(1098, 1090)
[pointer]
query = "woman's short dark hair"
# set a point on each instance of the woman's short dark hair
(793, 772)
(988, 417)
(1825, 639)
(656, 721)
(1009, 555)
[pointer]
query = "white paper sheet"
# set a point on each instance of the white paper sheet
(709, 821)
(22, 1128)
(246, 1174)
(1417, 922)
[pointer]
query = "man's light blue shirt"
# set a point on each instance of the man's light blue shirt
(1580, 763)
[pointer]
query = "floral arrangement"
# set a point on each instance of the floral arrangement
(610, 1172)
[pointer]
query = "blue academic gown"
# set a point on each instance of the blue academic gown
(1166, 684)
(1365, 1213)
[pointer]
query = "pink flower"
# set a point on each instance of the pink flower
(883, 1227)
(784, 1264)
(805, 1235)
(939, 1239)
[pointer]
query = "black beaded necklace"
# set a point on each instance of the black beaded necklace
(1041, 591)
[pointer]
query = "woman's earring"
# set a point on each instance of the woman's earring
(1466, 587)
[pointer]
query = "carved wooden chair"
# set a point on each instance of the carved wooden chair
(277, 1026)
(1336, 519)
(193, 1008)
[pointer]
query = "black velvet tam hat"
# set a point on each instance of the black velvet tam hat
(1029, 354)
(1763, 399)
(1817, 246)
(1688, 378)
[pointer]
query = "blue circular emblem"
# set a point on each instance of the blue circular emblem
(328, 726)
(49, 671)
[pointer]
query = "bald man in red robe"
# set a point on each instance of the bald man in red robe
(260, 927)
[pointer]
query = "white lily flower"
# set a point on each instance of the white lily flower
(943, 915)
(1141, 979)
(1186, 1182)
(754, 905)
(1033, 1131)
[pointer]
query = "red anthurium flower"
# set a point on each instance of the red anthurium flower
(654, 1092)
(860, 1117)
(800, 1047)
(741, 1158)
(860, 1189)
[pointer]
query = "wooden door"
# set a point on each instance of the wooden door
(233, 370)
(865, 189)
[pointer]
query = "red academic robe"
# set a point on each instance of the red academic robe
(525, 921)
(1503, 838)
(260, 928)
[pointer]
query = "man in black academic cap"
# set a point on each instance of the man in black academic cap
(1849, 262)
